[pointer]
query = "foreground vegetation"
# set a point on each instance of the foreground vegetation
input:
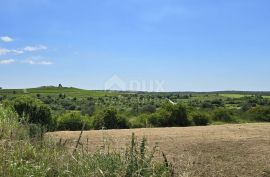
(25, 153)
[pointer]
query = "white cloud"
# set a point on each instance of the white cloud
(8, 61)
(4, 51)
(6, 39)
(37, 61)
(35, 48)
(17, 51)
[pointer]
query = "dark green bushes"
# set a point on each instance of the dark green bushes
(148, 108)
(170, 115)
(158, 119)
(223, 115)
(88, 108)
(33, 110)
(200, 119)
(73, 121)
(261, 113)
(109, 119)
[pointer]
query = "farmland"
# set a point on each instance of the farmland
(223, 150)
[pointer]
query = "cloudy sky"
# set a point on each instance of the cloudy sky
(190, 45)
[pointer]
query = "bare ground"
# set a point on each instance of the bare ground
(218, 150)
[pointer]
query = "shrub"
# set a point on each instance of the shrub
(9, 124)
(72, 121)
(261, 113)
(36, 131)
(207, 104)
(223, 115)
(88, 109)
(138, 121)
(174, 115)
(200, 119)
(247, 106)
(170, 115)
(157, 120)
(148, 109)
(109, 119)
(122, 123)
(34, 110)
(217, 102)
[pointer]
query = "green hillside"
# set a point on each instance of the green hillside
(68, 91)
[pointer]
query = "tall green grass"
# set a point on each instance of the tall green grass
(23, 155)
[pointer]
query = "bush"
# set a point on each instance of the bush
(200, 119)
(223, 115)
(88, 108)
(170, 115)
(33, 110)
(157, 120)
(148, 109)
(36, 131)
(122, 123)
(174, 115)
(207, 104)
(9, 124)
(261, 113)
(138, 121)
(1, 98)
(109, 119)
(73, 121)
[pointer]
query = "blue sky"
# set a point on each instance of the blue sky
(190, 45)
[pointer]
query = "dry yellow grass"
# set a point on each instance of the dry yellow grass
(218, 150)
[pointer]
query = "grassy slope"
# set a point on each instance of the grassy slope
(56, 91)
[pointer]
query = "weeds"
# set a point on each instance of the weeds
(142, 163)
(21, 155)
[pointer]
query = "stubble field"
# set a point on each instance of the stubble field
(217, 150)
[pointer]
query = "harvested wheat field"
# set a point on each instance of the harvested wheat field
(217, 150)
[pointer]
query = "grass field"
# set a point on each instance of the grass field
(68, 91)
(233, 95)
(218, 150)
